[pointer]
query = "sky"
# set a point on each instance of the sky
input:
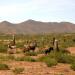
(17, 11)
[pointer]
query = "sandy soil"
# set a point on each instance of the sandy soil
(37, 68)
(71, 50)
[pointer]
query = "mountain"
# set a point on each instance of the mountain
(33, 27)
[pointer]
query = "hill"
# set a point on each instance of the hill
(36, 27)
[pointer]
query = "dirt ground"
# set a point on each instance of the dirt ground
(71, 50)
(37, 68)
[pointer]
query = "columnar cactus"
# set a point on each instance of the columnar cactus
(56, 45)
(53, 40)
(13, 40)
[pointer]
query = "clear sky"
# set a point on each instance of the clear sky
(41, 10)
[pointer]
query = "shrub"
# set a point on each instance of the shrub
(31, 53)
(64, 51)
(18, 70)
(27, 58)
(19, 45)
(3, 48)
(49, 61)
(3, 58)
(73, 66)
(10, 57)
(59, 57)
(7, 57)
(64, 58)
(4, 67)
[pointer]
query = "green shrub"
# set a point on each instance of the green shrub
(64, 51)
(4, 58)
(64, 58)
(7, 57)
(41, 51)
(3, 48)
(49, 61)
(73, 66)
(31, 53)
(26, 58)
(19, 45)
(10, 57)
(4, 67)
(59, 57)
(18, 70)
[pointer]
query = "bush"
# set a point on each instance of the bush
(18, 70)
(57, 57)
(7, 57)
(27, 58)
(49, 61)
(10, 57)
(41, 51)
(73, 66)
(4, 67)
(65, 58)
(3, 48)
(62, 57)
(64, 51)
(20, 45)
(31, 53)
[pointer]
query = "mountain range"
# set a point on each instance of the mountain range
(36, 27)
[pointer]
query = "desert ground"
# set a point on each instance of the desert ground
(28, 64)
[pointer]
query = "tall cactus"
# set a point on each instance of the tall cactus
(56, 45)
(53, 40)
(13, 40)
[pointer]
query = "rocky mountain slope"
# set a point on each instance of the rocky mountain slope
(33, 27)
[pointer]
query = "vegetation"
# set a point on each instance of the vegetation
(3, 48)
(48, 60)
(18, 70)
(65, 40)
(6, 57)
(4, 66)
(65, 58)
(73, 66)
(57, 57)
(26, 58)
(53, 58)
(31, 53)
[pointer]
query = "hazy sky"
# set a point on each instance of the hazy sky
(41, 10)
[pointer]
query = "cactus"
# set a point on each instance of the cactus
(56, 45)
(13, 40)
(53, 40)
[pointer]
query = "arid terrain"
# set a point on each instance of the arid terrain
(37, 62)
(36, 68)
(36, 27)
(37, 37)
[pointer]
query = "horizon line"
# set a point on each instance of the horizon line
(37, 21)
